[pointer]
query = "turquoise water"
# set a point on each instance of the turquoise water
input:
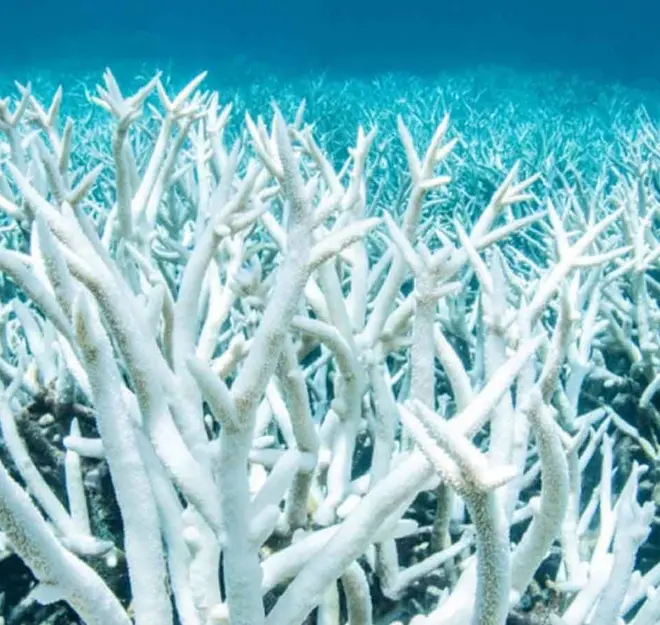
(617, 40)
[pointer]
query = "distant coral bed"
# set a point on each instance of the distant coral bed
(537, 117)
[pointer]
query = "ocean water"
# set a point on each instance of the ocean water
(613, 40)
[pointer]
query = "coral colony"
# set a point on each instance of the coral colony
(252, 378)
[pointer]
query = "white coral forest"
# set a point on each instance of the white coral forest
(302, 403)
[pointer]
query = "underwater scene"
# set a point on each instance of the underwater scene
(329, 313)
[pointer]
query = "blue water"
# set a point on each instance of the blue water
(612, 40)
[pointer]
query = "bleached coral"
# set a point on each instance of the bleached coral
(280, 376)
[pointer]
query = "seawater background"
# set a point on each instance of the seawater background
(608, 40)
